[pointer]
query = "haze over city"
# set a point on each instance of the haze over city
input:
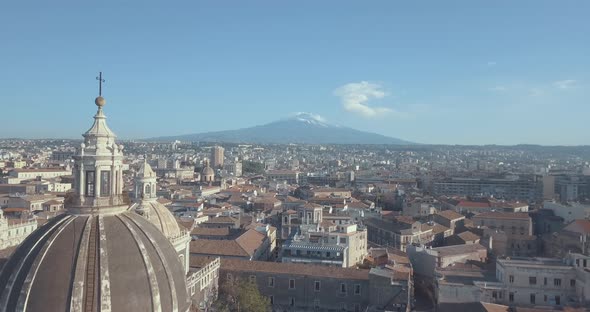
(452, 72)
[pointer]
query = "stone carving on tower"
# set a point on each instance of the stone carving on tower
(98, 256)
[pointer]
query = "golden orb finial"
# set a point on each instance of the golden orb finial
(100, 101)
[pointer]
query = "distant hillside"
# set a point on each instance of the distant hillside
(303, 128)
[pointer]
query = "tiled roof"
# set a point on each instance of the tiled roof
(502, 215)
(468, 236)
(579, 226)
(218, 248)
(458, 249)
(450, 215)
(210, 231)
(294, 269)
(472, 204)
(250, 241)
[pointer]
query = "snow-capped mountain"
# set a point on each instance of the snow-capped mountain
(303, 128)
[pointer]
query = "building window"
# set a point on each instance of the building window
(557, 300)
(90, 183)
(511, 278)
(252, 279)
(557, 282)
(545, 281)
(271, 299)
(316, 304)
(291, 284)
(532, 280)
(533, 298)
(342, 288)
(494, 294)
(271, 282)
(511, 297)
(229, 277)
(573, 283)
(292, 301)
(357, 289)
(584, 262)
(545, 298)
(105, 183)
(317, 286)
(357, 307)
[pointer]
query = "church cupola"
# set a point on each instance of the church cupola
(98, 169)
(145, 182)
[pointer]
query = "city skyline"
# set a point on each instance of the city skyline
(515, 75)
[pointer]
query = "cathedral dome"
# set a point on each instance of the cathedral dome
(145, 171)
(161, 217)
(94, 263)
(208, 171)
(98, 256)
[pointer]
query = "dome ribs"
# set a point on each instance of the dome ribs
(15, 270)
(162, 257)
(79, 276)
(92, 267)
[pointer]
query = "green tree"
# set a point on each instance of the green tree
(252, 167)
(240, 296)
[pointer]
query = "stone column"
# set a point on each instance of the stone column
(120, 188)
(81, 179)
(97, 182)
(113, 183)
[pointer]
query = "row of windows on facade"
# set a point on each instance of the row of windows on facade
(533, 297)
(317, 284)
(502, 228)
(25, 230)
(533, 281)
(316, 304)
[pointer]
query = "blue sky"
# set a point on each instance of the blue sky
(441, 72)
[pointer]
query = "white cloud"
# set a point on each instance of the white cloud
(564, 84)
(356, 95)
(491, 63)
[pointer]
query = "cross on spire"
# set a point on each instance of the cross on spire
(100, 81)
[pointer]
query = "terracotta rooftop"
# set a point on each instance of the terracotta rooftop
(579, 226)
(450, 215)
(210, 231)
(222, 219)
(502, 215)
(472, 204)
(294, 269)
(468, 236)
(216, 247)
(243, 246)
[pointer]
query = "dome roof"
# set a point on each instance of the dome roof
(94, 262)
(208, 171)
(161, 217)
(145, 171)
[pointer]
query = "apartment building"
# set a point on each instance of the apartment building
(305, 287)
(525, 187)
(291, 176)
(334, 245)
(543, 281)
(398, 233)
